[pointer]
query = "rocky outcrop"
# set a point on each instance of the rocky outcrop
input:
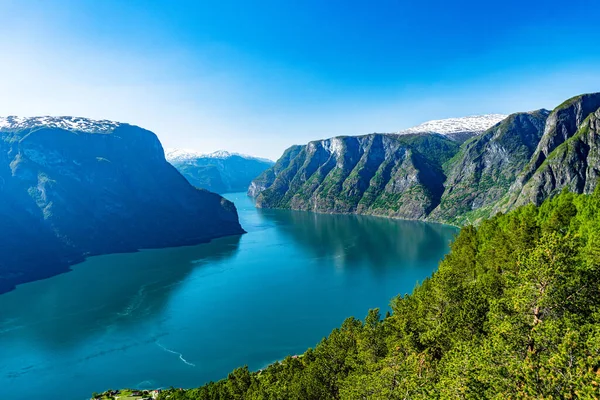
(70, 188)
(379, 174)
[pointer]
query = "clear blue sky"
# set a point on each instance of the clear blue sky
(258, 76)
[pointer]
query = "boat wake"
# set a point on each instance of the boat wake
(175, 352)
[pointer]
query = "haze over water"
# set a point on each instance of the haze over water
(184, 316)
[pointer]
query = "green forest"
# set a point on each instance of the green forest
(512, 312)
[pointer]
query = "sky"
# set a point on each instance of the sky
(259, 76)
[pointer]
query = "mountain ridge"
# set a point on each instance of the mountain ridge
(475, 123)
(80, 124)
(93, 188)
(482, 174)
(179, 154)
(325, 176)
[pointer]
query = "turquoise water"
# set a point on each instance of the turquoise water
(184, 316)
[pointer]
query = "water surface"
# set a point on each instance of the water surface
(184, 316)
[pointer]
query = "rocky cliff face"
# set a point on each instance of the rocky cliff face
(484, 169)
(220, 172)
(542, 177)
(73, 187)
(393, 175)
(526, 157)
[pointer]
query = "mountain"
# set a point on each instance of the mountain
(74, 187)
(219, 172)
(379, 174)
(398, 175)
(458, 129)
(567, 156)
(455, 171)
(483, 170)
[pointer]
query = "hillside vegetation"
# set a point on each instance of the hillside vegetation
(379, 174)
(512, 312)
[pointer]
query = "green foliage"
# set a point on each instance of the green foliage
(438, 150)
(512, 312)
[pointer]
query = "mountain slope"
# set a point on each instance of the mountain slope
(485, 168)
(380, 174)
(219, 172)
(543, 177)
(73, 187)
(527, 157)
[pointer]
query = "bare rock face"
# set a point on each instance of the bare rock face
(574, 165)
(379, 174)
(483, 171)
(536, 182)
(73, 187)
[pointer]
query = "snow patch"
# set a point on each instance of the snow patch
(188, 155)
(68, 123)
(476, 124)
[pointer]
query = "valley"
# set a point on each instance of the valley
(144, 248)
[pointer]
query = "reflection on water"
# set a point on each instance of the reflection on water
(361, 240)
(184, 316)
(118, 290)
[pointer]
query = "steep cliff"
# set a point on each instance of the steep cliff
(540, 178)
(73, 187)
(482, 172)
(379, 174)
(573, 165)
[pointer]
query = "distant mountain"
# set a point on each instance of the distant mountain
(73, 187)
(458, 129)
(220, 172)
(458, 170)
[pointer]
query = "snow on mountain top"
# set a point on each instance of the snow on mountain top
(68, 123)
(224, 154)
(475, 123)
(187, 155)
(182, 155)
